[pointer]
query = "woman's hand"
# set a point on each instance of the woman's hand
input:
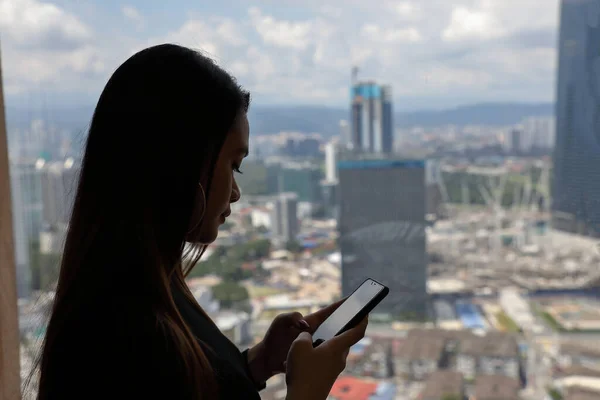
(311, 372)
(268, 358)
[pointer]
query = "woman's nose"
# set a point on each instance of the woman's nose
(235, 193)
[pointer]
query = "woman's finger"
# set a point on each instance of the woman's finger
(317, 318)
(296, 319)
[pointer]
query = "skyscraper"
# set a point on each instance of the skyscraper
(284, 218)
(20, 239)
(540, 132)
(302, 179)
(516, 140)
(382, 230)
(330, 162)
(59, 180)
(372, 121)
(345, 137)
(27, 219)
(576, 187)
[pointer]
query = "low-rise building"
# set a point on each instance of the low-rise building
(371, 357)
(352, 388)
(580, 393)
(579, 354)
(235, 325)
(493, 354)
(442, 385)
(496, 387)
(419, 356)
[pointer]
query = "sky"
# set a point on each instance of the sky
(434, 53)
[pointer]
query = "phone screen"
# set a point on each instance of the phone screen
(347, 310)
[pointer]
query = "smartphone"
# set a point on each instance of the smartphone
(360, 303)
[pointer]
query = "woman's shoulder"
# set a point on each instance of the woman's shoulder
(116, 351)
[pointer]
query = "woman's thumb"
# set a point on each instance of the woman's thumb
(304, 339)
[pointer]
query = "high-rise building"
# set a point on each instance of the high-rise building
(59, 180)
(433, 181)
(516, 140)
(330, 199)
(372, 120)
(540, 132)
(382, 230)
(303, 179)
(20, 238)
(345, 137)
(284, 217)
(576, 187)
(27, 218)
(330, 162)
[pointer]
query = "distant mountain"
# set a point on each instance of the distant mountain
(477, 114)
(269, 119)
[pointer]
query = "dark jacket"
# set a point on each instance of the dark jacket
(129, 358)
(229, 363)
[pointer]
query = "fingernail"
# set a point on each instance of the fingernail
(303, 324)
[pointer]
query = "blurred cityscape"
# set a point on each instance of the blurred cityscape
(486, 234)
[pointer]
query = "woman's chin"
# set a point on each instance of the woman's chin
(207, 234)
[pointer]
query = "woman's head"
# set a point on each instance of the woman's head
(156, 139)
(167, 135)
(168, 132)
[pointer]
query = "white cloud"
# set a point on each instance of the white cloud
(406, 9)
(375, 32)
(488, 19)
(280, 33)
(441, 77)
(331, 11)
(132, 14)
(196, 34)
(471, 24)
(35, 24)
(428, 48)
(44, 45)
(239, 69)
(229, 32)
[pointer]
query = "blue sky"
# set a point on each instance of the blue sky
(434, 53)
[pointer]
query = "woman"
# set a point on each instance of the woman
(167, 135)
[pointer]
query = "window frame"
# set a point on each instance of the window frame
(10, 376)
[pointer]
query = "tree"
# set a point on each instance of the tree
(555, 394)
(451, 397)
(230, 294)
(293, 246)
(260, 248)
(227, 262)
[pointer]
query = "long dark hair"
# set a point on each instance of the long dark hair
(156, 133)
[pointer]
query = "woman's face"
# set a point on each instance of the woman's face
(224, 189)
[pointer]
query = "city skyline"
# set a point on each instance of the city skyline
(575, 204)
(481, 220)
(435, 54)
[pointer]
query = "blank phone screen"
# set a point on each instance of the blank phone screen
(347, 310)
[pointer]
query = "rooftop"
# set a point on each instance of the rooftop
(426, 347)
(496, 387)
(579, 393)
(351, 388)
(578, 349)
(494, 344)
(442, 383)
